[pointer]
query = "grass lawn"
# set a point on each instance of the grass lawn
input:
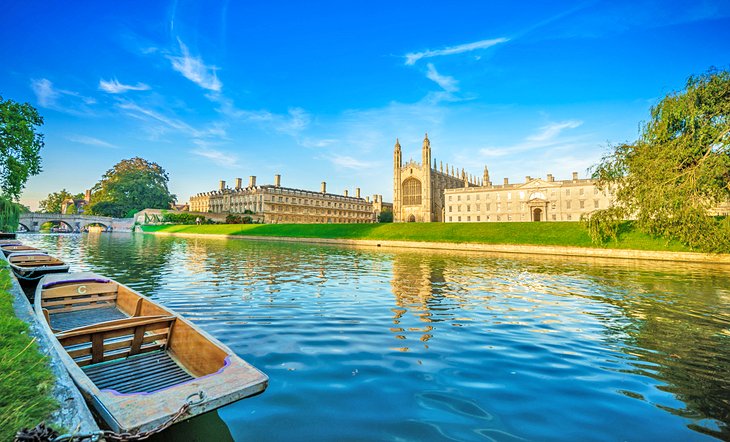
(26, 382)
(553, 234)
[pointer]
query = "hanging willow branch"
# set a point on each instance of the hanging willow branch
(9, 215)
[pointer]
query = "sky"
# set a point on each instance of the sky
(320, 90)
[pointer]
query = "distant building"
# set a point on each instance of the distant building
(277, 204)
(78, 204)
(534, 200)
(418, 188)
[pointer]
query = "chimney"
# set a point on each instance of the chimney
(550, 178)
(575, 176)
(357, 192)
(277, 180)
(324, 187)
(222, 185)
(87, 196)
(346, 192)
(238, 183)
(367, 198)
(252, 181)
(506, 181)
(528, 178)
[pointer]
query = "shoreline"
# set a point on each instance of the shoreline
(73, 414)
(587, 252)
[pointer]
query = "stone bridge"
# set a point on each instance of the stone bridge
(75, 223)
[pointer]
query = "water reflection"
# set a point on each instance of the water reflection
(372, 344)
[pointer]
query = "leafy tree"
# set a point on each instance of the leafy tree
(385, 216)
(678, 169)
(20, 146)
(130, 186)
(72, 209)
(9, 215)
(54, 201)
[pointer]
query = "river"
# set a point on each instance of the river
(371, 344)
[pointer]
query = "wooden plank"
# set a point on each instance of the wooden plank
(118, 355)
(97, 347)
(138, 307)
(119, 323)
(92, 288)
(137, 341)
(80, 307)
(116, 345)
(79, 300)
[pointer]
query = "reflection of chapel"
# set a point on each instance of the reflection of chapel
(418, 189)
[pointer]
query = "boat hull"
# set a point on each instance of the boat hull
(7, 235)
(129, 397)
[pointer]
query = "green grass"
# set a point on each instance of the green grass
(545, 234)
(26, 381)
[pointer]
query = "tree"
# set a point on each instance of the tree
(385, 216)
(20, 146)
(678, 169)
(130, 186)
(54, 201)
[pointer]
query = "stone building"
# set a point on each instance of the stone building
(534, 200)
(418, 188)
(76, 205)
(277, 204)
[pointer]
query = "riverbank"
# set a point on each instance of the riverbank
(558, 239)
(26, 380)
(35, 387)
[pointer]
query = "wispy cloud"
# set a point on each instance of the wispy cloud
(447, 83)
(413, 57)
(62, 100)
(91, 141)
(134, 110)
(292, 123)
(349, 162)
(195, 70)
(552, 130)
(218, 157)
(548, 137)
(44, 92)
(115, 87)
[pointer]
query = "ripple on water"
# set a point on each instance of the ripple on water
(367, 345)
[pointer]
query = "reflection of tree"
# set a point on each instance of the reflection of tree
(136, 260)
(679, 325)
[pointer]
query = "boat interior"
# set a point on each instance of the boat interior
(13, 248)
(34, 260)
(122, 340)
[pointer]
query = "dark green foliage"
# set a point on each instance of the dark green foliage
(130, 186)
(54, 201)
(238, 219)
(9, 215)
(20, 146)
(679, 168)
(385, 217)
(179, 218)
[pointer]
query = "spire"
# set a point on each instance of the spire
(426, 152)
(397, 144)
(486, 174)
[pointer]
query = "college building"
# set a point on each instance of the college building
(423, 193)
(273, 203)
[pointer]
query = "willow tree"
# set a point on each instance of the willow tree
(20, 146)
(678, 171)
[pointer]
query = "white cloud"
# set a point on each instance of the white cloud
(547, 137)
(44, 91)
(447, 83)
(195, 70)
(115, 87)
(91, 141)
(218, 157)
(350, 163)
(413, 57)
(134, 110)
(552, 130)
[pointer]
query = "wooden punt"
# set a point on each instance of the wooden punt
(29, 267)
(12, 248)
(136, 362)
(4, 242)
(7, 235)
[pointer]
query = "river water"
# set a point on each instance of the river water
(371, 344)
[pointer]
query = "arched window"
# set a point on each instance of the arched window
(411, 192)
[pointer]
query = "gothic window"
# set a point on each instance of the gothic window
(411, 192)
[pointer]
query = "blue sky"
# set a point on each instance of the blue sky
(319, 91)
